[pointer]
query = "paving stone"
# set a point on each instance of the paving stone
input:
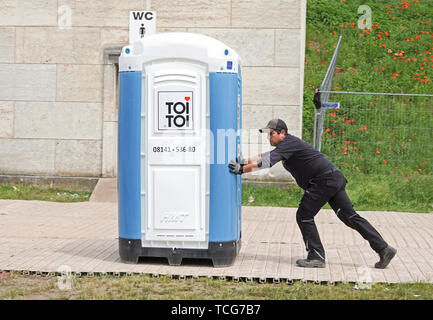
(42, 236)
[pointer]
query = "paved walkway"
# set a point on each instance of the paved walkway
(38, 236)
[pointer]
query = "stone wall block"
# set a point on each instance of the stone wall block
(81, 83)
(6, 119)
(28, 13)
(288, 47)
(7, 45)
(270, 86)
(194, 13)
(78, 157)
(266, 13)
(32, 82)
(58, 120)
(27, 156)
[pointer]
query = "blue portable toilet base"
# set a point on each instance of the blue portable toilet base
(223, 254)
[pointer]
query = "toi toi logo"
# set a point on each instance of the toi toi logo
(178, 113)
(175, 109)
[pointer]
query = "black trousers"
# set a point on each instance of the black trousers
(331, 188)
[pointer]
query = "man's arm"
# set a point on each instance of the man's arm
(262, 161)
(250, 167)
(245, 166)
(252, 164)
(254, 159)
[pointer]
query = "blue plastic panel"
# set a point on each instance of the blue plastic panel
(128, 179)
(239, 182)
(224, 207)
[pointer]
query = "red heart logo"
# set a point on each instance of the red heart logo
(187, 98)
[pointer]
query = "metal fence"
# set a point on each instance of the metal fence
(388, 134)
(374, 133)
(321, 98)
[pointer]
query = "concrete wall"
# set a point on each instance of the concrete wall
(58, 81)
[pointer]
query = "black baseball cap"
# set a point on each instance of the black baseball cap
(274, 124)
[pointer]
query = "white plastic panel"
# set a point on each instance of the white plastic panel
(174, 166)
(180, 45)
(175, 200)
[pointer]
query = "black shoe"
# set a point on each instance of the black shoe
(307, 263)
(385, 257)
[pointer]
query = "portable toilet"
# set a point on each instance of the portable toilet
(179, 126)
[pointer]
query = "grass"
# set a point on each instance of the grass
(367, 193)
(394, 55)
(22, 192)
(145, 287)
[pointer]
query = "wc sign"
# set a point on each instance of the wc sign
(175, 110)
(141, 24)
